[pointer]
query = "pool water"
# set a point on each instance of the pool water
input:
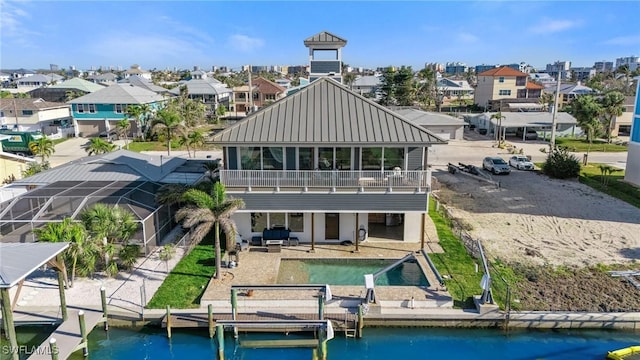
(349, 272)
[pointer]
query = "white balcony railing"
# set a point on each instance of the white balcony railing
(359, 180)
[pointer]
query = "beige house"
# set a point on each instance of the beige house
(12, 166)
(503, 84)
(33, 114)
(621, 125)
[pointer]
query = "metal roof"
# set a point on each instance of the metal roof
(143, 83)
(78, 84)
(119, 94)
(427, 118)
(530, 119)
(326, 112)
(19, 260)
(324, 38)
(208, 86)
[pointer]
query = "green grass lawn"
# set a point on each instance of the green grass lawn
(139, 146)
(58, 141)
(616, 187)
(581, 145)
(183, 287)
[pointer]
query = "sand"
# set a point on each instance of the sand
(532, 218)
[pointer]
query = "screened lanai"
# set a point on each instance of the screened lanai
(63, 199)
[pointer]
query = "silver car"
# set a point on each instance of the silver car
(521, 162)
(496, 165)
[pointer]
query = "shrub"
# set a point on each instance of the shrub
(561, 164)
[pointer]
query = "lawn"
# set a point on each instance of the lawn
(615, 186)
(183, 287)
(581, 145)
(139, 146)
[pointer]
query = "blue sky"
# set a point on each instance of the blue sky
(160, 34)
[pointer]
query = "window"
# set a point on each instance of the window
(277, 219)
(272, 158)
(325, 159)
(296, 222)
(270, 96)
(258, 222)
(92, 108)
(521, 81)
(80, 108)
(501, 79)
(343, 158)
(504, 92)
(118, 108)
(371, 158)
(393, 157)
(305, 159)
(27, 112)
(250, 158)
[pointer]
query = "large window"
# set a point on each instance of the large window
(272, 158)
(343, 158)
(305, 159)
(277, 219)
(250, 158)
(292, 221)
(258, 222)
(296, 222)
(393, 157)
(504, 92)
(325, 159)
(371, 158)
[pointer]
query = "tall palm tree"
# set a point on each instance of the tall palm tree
(99, 146)
(168, 123)
(123, 127)
(611, 107)
(204, 207)
(498, 116)
(349, 78)
(42, 147)
(140, 113)
(211, 167)
(196, 139)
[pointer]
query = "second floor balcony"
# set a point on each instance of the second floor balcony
(416, 181)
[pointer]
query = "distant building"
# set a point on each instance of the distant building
(54, 67)
(455, 68)
(136, 70)
(632, 61)
(483, 68)
(559, 67)
(435, 67)
(603, 66)
(297, 69)
(582, 73)
(256, 69)
(508, 88)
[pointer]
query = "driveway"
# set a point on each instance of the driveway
(67, 151)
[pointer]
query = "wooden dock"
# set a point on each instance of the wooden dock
(67, 335)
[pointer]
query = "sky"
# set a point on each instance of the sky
(183, 34)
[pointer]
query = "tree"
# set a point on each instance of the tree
(204, 207)
(123, 127)
(587, 111)
(34, 168)
(168, 123)
(426, 87)
(195, 140)
(99, 146)
(611, 107)
(140, 113)
(498, 116)
(192, 112)
(546, 99)
(211, 167)
(42, 147)
(349, 78)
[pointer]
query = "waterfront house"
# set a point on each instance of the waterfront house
(100, 111)
(506, 89)
(330, 165)
(211, 92)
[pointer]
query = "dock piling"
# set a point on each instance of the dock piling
(103, 297)
(360, 324)
(220, 336)
(321, 307)
(234, 310)
(63, 300)
(211, 327)
(83, 334)
(168, 322)
(54, 349)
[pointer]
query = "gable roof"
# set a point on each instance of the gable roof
(267, 87)
(36, 78)
(202, 87)
(78, 84)
(18, 260)
(533, 86)
(457, 84)
(29, 104)
(139, 81)
(325, 38)
(427, 118)
(119, 94)
(326, 112)
(502, 71)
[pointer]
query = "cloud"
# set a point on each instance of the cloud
(245, 43)
(466, 37)
(624, 40)
(177, 27)
(13, 23)
(549, 26)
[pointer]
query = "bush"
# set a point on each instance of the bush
(561, 164)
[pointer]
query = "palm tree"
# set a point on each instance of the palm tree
(611, 107)
(498, 116)
(349, 78)
(196, 139)
(202, 210)
(43, 147)
(168, 123)
(211, 167)
(546, 99)
(123, 127)
(99, 146)
(140, 114)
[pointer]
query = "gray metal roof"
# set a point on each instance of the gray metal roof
(335, 202)
(426, 118)
(530, 119)
(18, 260)
(121, 165)
(78, 84)
(324, 38)
(119, 94)
(208, 86)
(326, 112)
(143, 83)
(371, 80)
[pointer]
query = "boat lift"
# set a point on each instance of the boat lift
(370, 279)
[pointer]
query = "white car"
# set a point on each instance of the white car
(521, 162)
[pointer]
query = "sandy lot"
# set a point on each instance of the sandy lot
(538, 220)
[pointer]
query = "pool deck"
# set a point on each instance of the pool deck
(259, 267)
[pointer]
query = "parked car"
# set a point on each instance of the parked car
(496, 165)
(109, 136)
(530, 135)
(521, 162)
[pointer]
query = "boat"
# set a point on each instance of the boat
(628, 353)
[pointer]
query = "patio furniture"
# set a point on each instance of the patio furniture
(274, 245)
(276, 233)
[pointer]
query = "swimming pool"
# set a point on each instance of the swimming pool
(349, 272)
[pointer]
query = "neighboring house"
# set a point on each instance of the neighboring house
(632, 172)
(11, 167)
(621, 125)
(442, 125)
(542, 78)
(4, 78)
(101, 110)
(568, 92)
(519, 122)
(454, 89)
(263, 91)
(142, 82)
(63, 91)
(135, 70)
(327, 163)
(496, 87)
(103, 79)
(210, 91)
(16, 74)
(37, 80)
(34, 115)
(367, 86)
(285, 83)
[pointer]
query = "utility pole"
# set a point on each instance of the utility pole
(250, 93)
(552, 142)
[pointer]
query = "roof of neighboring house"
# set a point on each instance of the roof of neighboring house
(371, 80)
(120, 165)
(573, 89)
(502, 71)
(530, 119)
(119, 94)
(78, 84)
(144, 83)
(29, 104)
(106, 77)
(533, 86)
(38, 78)
(426, 118)
(323, 38)
(14, 157)
(454, 84)
(326, 112)
(135, 69)
(267, 87)
(19, 260)
(208, 86)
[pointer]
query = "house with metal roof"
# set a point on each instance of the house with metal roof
(65, 90)
(144, 83)
(210, 91)
(454, 89)
(325, 55)
(99, 111)
(514, 123)
(37, 80)
(444, 126)
(103, 79)
(330, 165)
